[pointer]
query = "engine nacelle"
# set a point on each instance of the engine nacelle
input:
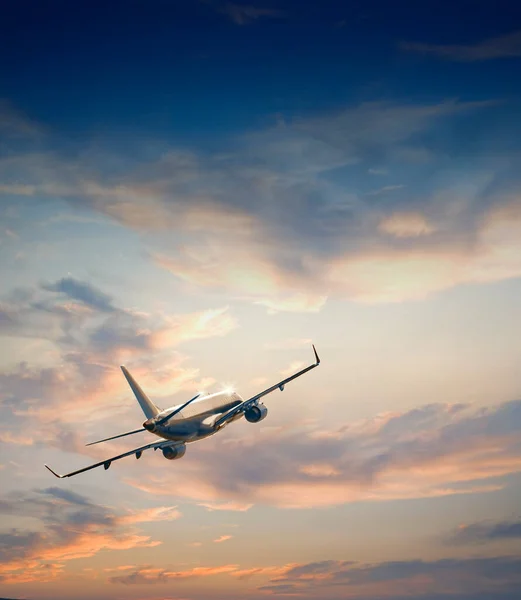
(256, 413)
(174, 452)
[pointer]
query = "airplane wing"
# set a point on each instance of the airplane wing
(254, 399)
(106, 463)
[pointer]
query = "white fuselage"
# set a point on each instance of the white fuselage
(196, 421)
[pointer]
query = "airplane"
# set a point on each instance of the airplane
(198, 418)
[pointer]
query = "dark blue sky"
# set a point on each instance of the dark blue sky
(190, 69)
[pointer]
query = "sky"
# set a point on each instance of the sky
(199, 190)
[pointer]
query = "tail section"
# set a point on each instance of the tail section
(148, 407)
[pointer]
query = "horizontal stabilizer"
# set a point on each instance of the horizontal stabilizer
(117, 436)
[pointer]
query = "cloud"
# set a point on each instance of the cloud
(83, 292)
(154, 575)
(459, 579)
(128, 332)
(431, 451)
(243, 14)
(235, 506)
(406, 225)
(8, 437)
(489, 531)
(90, 336)
(503, 46)
(384, 189)
(223, 538)
(281, 221)
(293, 368)
(412, 273)
(148, 515)
(71, 527)
(451, 578)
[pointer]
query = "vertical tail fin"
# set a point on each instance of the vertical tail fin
(148, 407)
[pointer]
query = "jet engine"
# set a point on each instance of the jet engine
(256, 413)
(174, 452)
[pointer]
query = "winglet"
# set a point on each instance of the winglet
(55, 474)
(316, 355)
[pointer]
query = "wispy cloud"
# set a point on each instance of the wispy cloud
(488, 531)
(243, 14)
(20, 439)
(154, 575)
(82, 292)
(223, 538)
(234, 506)
(292, 368)
(149, 515)
(503, 46)
(406, 225)
(385, 189)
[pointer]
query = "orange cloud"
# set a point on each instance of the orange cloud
(71, 528)
(157, 575)
(92, 541)
(28, 571)
(430, 451)
(8, 437)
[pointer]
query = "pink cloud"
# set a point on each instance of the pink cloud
(148, 515)
(223, 538)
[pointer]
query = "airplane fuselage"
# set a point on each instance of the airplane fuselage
(196, 421)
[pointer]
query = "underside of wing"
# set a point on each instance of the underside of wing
(106, 463)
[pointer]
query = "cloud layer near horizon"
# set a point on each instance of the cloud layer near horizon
(451, 578)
